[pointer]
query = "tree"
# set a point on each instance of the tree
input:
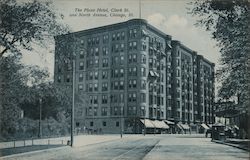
(20, 93)
(23, 24)
(229, 23)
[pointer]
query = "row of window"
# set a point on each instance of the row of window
(119, 98)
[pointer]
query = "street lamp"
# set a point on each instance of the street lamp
(40, 118)
(73, 102)
(144, 122)
(121, 128)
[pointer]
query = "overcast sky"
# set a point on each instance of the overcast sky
(170, 16)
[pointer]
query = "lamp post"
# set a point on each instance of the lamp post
(121, 128)
(144, 133)
(73, 103)
(40, 118)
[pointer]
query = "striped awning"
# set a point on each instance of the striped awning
(148, 123)
(204, 126)
(160, 124)
(169, 122)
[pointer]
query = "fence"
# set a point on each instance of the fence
(31, 142)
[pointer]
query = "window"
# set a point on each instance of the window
(177, 73)
(121, 59)
(97, 51)
(105, 51)
(134, 58)
(105, 62)
(82, 42)
(134, 32)
(90, 75)
(178, 62)
(105, 38)
(130, 45)
(130, 33)
(113, 37)
(116, 73)
(134, 97)
(96, 75)
(96, 61)
(104, 111)
(143, 71)
(104, 124)
(143, 97)
(91, 124)
(96, 87)
(104, 86)
(121, 98)
(68, 78)
(80, 87)
(104, 74)
(143, 59)
(123, 36)
(130, 83)
(81, 54)
(134, 83)
(80, 77)
(150, 62)
(134, 45)
(130, 71)
(118, 36)
(90, 87)
(104, 99)
(122, 47)
(178, 104)
(144, 46)
(121, 85)
(121, 72)
(143, 84)
(116, 48)
(116, 85)
(130, 58)
(95, 111)
(117, 124)
(59, 79)
(134, 71)
(95, 99)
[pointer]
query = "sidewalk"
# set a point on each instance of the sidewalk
(41, 144)
(238, 143)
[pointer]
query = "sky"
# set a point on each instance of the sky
(170, 16)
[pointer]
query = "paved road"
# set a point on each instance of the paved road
(159, 147)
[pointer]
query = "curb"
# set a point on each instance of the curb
(230, 144)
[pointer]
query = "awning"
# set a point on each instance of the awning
(144, 33)
(163, 54)
(148, 123)
(156, 74)
(236, 127)
(151, 73)
(169, 46)
(160, 124)
(179, 126)
(184, 126)
(204, 126)
(169, 122)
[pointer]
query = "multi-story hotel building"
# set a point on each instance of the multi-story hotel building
(130, 74)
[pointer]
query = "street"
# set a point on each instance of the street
(137, 147)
